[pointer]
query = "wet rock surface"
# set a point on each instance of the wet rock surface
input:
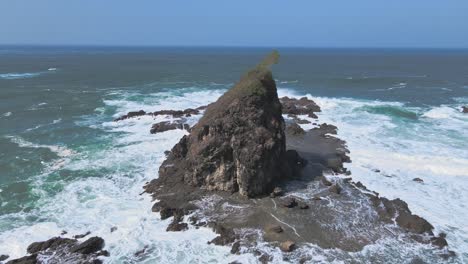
(241, 169)
(464, 109)
(168, 125)
(303, 106)
(64, 250)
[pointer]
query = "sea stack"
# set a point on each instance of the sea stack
(239, 144)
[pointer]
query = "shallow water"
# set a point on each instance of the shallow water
(64, 165)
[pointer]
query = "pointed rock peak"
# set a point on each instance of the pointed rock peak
(239, 143)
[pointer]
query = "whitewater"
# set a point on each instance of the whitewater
(390, 145)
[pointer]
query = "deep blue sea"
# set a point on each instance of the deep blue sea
(65, 165)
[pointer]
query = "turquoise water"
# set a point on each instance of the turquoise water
(65, 165)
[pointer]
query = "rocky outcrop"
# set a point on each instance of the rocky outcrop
(168, 125)
(464, 109)
(239, 143)
(61, 250)
(303, 106)
(173, 113)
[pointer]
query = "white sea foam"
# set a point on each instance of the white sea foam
(99, 202)
(434, 148)
(59, 150)
(14, 75)
(7, 114)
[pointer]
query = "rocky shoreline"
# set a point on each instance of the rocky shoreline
(249, 171)
(313, 200)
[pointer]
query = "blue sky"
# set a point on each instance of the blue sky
(271, 23)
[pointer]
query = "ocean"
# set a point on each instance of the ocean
(66, 166)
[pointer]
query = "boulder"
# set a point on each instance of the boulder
(302, 106)
(168, 125)
(277, 191)
(335, 188)
(464, 109)
(289, 202)
(91, 245)
(287, 246)
(294, 129)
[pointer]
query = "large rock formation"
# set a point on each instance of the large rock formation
(239, 143)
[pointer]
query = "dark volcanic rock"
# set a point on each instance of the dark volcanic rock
(4, 257)
(239, 143)
(303, 106)
(173, 113)
(32, 259)
(131, 114)
(82, 235)
(91, 245)
(168, 125)
(418, 180)
(404, 218)
(289, 202)
(64, 250)
(294, 129)
(52, 244)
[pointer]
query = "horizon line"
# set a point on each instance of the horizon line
(229, 46)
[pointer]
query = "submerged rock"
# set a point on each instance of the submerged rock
(464, 109)
(239, 143)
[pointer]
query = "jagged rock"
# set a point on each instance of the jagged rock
(235, 249)
(303, 106)
(301, 121)
(91, 245)
(287, 246)
(464, 109)
(327, 129)
(335, 188)
(130, 115)
(404, 218)
(289, 202)
(418, 180)
(277, 191)
(62, 250)
(168, 125)
(294, 129)
(173, 113)
(32, 259)
(4, 257)
(113, 229)
(226, 236)
(176, 224)
(176, 227)
(52, 244)
(325, 181)
(82, 235)
(239, 143)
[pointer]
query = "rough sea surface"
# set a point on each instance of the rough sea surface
(65, 165)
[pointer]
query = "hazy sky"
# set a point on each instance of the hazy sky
(273, 23)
